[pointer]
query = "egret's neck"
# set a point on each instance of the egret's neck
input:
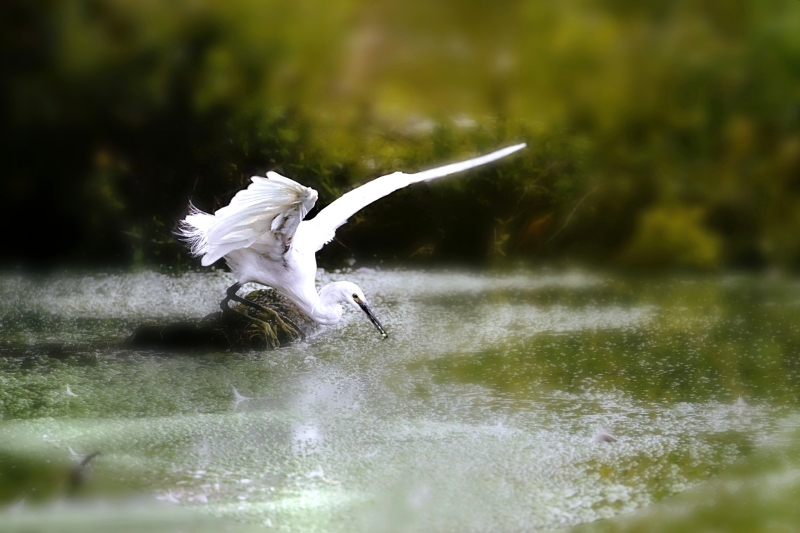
(326, 306)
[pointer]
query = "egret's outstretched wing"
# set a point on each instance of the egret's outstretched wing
(315, 233)
(263, 217)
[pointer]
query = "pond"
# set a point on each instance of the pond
(478, 413)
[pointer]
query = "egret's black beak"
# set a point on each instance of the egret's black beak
(364, 307)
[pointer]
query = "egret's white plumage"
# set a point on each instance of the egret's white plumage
(263, 217)
(264, 239)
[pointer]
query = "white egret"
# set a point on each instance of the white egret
(264, 239)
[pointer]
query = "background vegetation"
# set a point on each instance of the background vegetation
(662, 133)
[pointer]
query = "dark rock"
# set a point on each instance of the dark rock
(231, 331)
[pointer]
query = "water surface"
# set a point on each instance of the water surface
(477, 414)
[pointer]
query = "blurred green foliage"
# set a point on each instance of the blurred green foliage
(667, 236)
(661, 133)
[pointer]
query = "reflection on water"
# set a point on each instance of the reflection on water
(479, 413)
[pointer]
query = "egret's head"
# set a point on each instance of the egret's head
(353, 295)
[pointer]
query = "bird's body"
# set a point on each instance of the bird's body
(264, 239)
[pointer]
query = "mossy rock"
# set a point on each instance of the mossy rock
(231, 331)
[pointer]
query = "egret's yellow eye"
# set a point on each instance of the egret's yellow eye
(355, 296)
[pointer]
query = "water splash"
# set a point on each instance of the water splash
(477, 414)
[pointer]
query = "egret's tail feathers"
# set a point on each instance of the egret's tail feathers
(194, 230)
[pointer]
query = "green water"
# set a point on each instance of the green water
(477, 414)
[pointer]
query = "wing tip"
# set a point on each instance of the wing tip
(513, 148)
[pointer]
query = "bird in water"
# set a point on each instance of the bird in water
(264, 239)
